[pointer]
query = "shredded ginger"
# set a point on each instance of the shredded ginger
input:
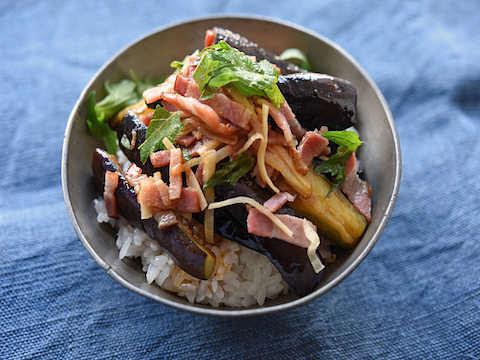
(311, 234)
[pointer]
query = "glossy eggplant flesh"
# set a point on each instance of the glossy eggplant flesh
(248, 47)
(291, 261)
(320, 100)
(182, 241)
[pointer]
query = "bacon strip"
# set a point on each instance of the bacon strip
(134, 175)
(189, 201)
(152, 196)
(278, 200)
(228, 109)
(162, 188)
(155, 94)
(202, 111)
(111, 184)
(186, 140)
(181, 84)
(175, 170)
(160, 158)
(295, 126)
(275, 138)
(189, 65)
(260, 225)
(281, 122)
(210, 36)
(357, 190)
(312, 144)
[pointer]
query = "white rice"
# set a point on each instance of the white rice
(241, 278)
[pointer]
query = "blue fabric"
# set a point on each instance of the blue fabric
(417, 295)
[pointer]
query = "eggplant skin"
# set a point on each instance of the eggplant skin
(179, 243)
(291, 261)
(130, 125)
(320, 100)
(248, 47)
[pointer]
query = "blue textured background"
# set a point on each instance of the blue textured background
(416, 295)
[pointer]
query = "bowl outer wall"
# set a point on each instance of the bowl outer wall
(376, 126)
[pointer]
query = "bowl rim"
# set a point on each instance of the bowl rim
(232, 312)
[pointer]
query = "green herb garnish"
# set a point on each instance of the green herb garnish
(163, 124)
(232, 171)
(177, 65)
(347, 139)
(296, 57)
(143, 84)
(348, 142)
(221, 65)
(119, 95)
(99, 128)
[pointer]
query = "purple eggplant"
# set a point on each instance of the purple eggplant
(131, 133)
(291, 261)
(320, 100)
(248, 47)
(182, 241)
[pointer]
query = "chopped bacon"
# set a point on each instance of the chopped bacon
(175, 170)
(189, 65)
(186, 87)
(199, 174)
(162, 188)
(134, 175)
(192, 89)
(228, 109)
(146, 116)
(150, 196)
(166, 219)
(204, 112)
(160, 158)
(208, 133)
(298, 162)
(278, 200)
(170, 107)
(282, 123)
(357, 190)
(274, 138)
(189, 201)
(312, 144)
(295, 126)
(156, 93)
(181, 84)
(260, 225)
(210, 36)
(185, 140)
(111, 184)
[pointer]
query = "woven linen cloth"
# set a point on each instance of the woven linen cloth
(417, 295)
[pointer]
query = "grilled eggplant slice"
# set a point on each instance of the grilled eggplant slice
(250, 48)
(131, 133)
(330, 210)
(291, 261)
(183, 241)
(320, 100)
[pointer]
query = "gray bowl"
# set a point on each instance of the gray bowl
(151, 56)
